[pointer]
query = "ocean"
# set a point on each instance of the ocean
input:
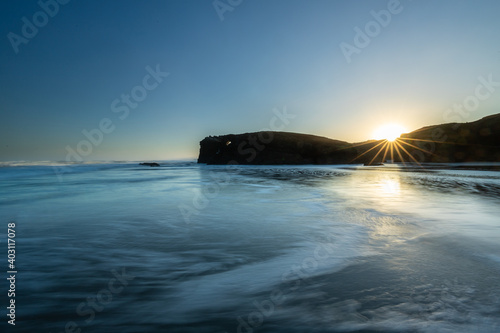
(119, 247)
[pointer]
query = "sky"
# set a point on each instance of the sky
(147, 80)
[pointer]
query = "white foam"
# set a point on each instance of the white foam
(228, 288)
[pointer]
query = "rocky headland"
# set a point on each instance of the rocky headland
(477, 141)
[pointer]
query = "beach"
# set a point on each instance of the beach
(183, 247)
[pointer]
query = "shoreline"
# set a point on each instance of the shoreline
(486, 166)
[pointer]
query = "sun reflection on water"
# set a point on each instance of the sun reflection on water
(390, 187)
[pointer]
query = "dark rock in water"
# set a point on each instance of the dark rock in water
(373, 164)
(150, 164)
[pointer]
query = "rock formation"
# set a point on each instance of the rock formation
(477, 141)
(454, 142)
(274, 148)
(150, 164)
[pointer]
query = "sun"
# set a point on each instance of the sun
(389, 132)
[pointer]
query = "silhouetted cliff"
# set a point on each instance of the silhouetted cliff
(454, 142)
(477, 141)
(275, 148)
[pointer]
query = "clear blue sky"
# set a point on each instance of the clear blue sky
(227, 76)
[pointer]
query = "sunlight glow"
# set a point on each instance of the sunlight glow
(389, 187)
(391, 148)
(389, 132)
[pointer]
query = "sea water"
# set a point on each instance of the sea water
(194, 248)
